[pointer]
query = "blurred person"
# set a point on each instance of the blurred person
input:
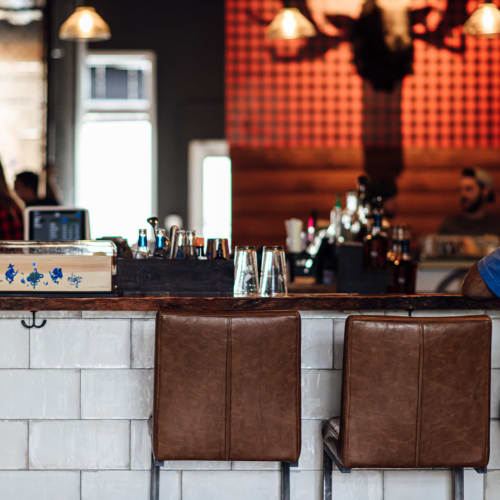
(11, 216)
(476, 192)
(483, 279)
(26, 187)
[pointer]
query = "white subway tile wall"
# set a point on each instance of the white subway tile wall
(120, 394)
(231, 485)
(76, 396)
(115, 485)
(364, 484)
(317, 343)
(140, 445)
(28, 394)
(79, 444)
(14, 444)
(143, 343)
(492, 488)
(473, 485)
(38, 485)
(78, 343)
(306, 484)
(14, 339)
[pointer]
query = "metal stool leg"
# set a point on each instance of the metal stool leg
(155, 479)
(327, 476)
(458, 483)
(285, 481)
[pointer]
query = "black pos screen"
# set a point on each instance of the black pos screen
(57, 225)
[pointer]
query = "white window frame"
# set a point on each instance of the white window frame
(119, 109)
(198, 151)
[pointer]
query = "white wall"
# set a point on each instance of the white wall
(75, 397)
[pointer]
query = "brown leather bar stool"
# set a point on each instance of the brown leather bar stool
(227, 387)
(415, 394)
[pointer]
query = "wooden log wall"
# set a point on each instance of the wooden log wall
(271, 185)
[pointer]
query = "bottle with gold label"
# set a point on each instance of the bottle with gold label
(403, 268)
(376, 244)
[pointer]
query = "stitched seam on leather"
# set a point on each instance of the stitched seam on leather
(298, 383)
(159, 324)
(227, 418)
(486, 443)
(419, 395)
(345, 451)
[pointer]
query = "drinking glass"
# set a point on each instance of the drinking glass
(273, 272)
(246, 280)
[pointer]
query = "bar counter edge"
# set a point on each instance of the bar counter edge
(302, 302)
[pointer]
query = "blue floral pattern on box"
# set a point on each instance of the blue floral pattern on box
(34, 277)
(10, 274)
(75, 279)
(56, 274)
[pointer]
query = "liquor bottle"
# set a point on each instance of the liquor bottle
(181, 244)
(363, 206)
(404, 268)
(142, 251)
(333, 231)
(395, 251)
(189, 252)
(311, 227)
(375, 244)
(161, 248)
(350, 225)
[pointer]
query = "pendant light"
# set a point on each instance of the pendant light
(85, 25)
(484, 21)
(290, 23)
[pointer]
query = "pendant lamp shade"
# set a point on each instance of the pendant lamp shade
(290, 23)
(85, 25)
(484, 21)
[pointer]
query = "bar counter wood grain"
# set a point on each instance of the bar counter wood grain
(302, 302)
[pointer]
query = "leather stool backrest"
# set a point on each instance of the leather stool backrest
(227, 386)
(416, 392)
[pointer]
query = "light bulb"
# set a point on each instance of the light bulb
(85, 22)
(488, 20)
(289, 24)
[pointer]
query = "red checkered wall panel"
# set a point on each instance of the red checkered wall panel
(307, 93)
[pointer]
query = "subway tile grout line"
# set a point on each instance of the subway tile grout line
(131, 325)
(29, 348)
(81, 395)
(28, 448)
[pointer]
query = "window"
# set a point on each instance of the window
(210, 189)
(116, 143)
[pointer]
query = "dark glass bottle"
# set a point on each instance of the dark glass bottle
(404, 268)
(161, 249)
(375, 245)
(363, 206)
(311, 226)
(395, 250)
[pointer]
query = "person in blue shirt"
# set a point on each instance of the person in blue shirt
(483, 279)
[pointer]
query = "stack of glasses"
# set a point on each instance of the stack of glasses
(272, 274)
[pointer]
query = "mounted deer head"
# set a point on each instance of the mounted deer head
(381, 33)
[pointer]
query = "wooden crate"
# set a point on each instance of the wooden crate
(53, 273)
(183, 278)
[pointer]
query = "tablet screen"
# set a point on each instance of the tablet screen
(57, 225)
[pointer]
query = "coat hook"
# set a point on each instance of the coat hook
(33, 322)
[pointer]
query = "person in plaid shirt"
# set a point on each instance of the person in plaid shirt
(11, 216)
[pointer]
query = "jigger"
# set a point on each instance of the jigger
(218, 248)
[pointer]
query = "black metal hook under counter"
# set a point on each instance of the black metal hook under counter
(33, 322)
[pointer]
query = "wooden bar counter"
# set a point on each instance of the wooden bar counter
(293, 301)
